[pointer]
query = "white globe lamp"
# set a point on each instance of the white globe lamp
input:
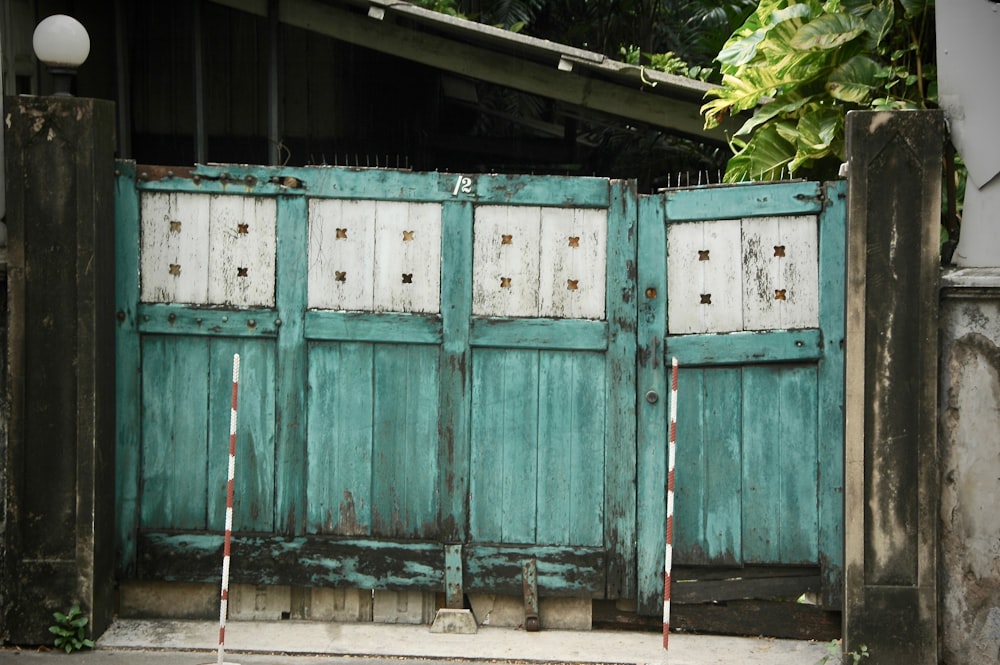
(62, 43)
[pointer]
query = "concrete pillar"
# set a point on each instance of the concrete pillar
(60, 453)
(970, 466)
(891, 488)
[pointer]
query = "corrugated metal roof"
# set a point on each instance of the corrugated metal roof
(574, 76)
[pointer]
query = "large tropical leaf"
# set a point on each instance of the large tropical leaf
(916, 7)
(764, 157)
(878, 22)
(773, 109)
(854, 80)
(828, 32)
(818, 135)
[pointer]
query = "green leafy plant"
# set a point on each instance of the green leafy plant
(70, 630)
(833, 648)
(800, 66)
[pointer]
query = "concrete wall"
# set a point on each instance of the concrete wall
(970, 467)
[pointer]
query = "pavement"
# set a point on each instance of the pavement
(160, 642)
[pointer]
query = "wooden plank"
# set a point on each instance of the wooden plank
(570, 449)
(780, 519)
(704, 275)
(798, 503)
(504, 444)
(171, 319)
(341, 254)
(340, 439)
(455, 390)
(407, 257)
(506, 261)
(174, 424)
(404, 470)
(565, 334)
(762, 464)
(562, 571)
(291, 369)
(242, 245)
(723, 454)
(175, 249)
(652, 416)
(374, 184)
(756, 618)
(830, 393)
(572, 260)
(742, 201)
(747, 347)
(389, 327)
(787, 587)
(253, 501)
(619, 386)
(780, 273)
(306, 561)
(127, 367)
(690, 485)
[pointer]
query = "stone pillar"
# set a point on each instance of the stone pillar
(60, 453)
(970, 466)
(891, 487)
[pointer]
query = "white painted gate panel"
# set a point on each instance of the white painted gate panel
(572, 260)
(207, 249)
(703, 277)
(374, 256)
(781, 279)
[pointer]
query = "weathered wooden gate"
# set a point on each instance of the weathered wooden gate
(441, 378)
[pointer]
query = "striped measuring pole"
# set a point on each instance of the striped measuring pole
(669, 551)
(224, 601)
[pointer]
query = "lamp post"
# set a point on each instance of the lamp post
(60, 454)
(62, 43)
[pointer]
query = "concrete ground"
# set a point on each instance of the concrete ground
(139, 642)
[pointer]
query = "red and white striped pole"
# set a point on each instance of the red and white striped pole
(671, 455)
(224, 602)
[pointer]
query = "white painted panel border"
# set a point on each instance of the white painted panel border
(781, 273)
(173, 264)
(572, 260)
(207, 249)
(407, 257)
(703, 277)
(505, 261)
(341, 255)
(374, 256)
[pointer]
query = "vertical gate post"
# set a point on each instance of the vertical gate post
(60, 456)
(891, 487)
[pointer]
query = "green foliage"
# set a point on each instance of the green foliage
(800, 66)
(834, 652)
(449, 7)
(70, 630)
(664, 62)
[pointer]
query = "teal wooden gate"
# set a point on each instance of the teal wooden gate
(445, 376)
(754, 313)
(438, 378)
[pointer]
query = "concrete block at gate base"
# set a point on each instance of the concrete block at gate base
(326, 604)
(553, 613)
(168, 600)
(259, 602)
(459, 622)
(403, 607)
